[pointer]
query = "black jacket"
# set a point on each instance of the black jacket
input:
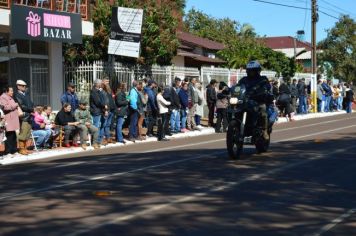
(284, 89)
(63, 118)
(112, 105)
(97, 104)
(122, 104)
(210, 94)
(26, 105)
(293, 90)
(171, 96)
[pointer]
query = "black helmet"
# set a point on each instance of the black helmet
(253, 65)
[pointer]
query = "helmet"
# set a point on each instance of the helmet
(253, 65)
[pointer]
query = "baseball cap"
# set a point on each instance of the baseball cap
(21, 82)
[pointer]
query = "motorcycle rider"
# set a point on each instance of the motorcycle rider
(258, 89)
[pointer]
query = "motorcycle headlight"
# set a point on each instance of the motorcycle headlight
(234, 101)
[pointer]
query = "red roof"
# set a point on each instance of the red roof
(198, 57)
(284, 42)
(199, 41)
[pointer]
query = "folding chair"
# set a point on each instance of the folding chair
(33, 137)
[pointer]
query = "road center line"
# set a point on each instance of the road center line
(196, 196)
(311, 125)
(335, 222)
(10, 196)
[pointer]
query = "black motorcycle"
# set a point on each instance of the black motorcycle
(245, 126)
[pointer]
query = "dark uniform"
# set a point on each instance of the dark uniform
(259, 90)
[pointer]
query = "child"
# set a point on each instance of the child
(38, 117)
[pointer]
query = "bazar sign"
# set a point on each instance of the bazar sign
(45, 25)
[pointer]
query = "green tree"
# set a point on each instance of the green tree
(338, 56)
(159, 42)
(240, 40)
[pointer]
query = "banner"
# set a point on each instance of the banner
(45, 25)
(125, 35)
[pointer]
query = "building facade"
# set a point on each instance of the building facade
(35, 55)
(291, 47)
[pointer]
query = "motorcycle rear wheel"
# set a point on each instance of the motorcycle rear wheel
(234, 146)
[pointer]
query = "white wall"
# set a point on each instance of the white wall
(178, 61)
(56, 77)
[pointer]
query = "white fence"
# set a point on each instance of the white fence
(83, 75)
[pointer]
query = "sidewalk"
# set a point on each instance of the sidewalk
(205, 131)
(64, 151)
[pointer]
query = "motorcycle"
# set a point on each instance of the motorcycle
(245, 126)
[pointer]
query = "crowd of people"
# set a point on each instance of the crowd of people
(175, 108)
(294, 97)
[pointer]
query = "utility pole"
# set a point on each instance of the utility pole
(314, 18)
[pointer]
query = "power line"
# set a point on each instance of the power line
(330, 4)
(283, 5)
(327, 14)
(296, 7)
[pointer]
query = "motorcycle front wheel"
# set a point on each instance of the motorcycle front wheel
(262, 144)
(234, 146)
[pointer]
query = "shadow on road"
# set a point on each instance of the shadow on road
(171, 193)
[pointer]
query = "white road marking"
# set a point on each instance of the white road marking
(317, 133)
(167, 148)
(193, 197)
(106, 176)
(10, 196)
(335, 222)
(311, 125)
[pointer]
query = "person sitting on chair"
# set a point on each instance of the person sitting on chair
(82, 115)
(66, 119)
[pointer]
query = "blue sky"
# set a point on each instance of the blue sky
(272, 20)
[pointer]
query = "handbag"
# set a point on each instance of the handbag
(19, 111)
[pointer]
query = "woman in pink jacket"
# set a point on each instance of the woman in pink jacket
(11, 119)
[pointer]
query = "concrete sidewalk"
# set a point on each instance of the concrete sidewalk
(7, 160)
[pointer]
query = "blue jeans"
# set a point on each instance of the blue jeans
(302, 104)
(339, 103)
(175, 121)
(105, 127)
(197, 119)
(42, 136)
(327, 103)
(96, 121)
(120, 122)
(133, 124)
(184, 119)
(348, 107)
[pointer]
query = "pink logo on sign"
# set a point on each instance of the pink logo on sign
(52, 20)
(33, 24)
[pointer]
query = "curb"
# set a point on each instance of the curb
(205, 131)
(65, 151)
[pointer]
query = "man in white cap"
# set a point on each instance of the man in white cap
(25, 103)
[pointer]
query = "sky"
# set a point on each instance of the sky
(273, 20)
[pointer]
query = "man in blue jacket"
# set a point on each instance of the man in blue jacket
(152, 109)
(328, 94)
(70, 97)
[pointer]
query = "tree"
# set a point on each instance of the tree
(241, 44)
(338, 56)
(159, 42)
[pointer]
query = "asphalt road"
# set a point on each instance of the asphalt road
(305, 185)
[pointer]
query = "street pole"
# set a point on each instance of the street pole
(314, 18)
(314, 21)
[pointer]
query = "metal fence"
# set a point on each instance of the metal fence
(83, 75)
